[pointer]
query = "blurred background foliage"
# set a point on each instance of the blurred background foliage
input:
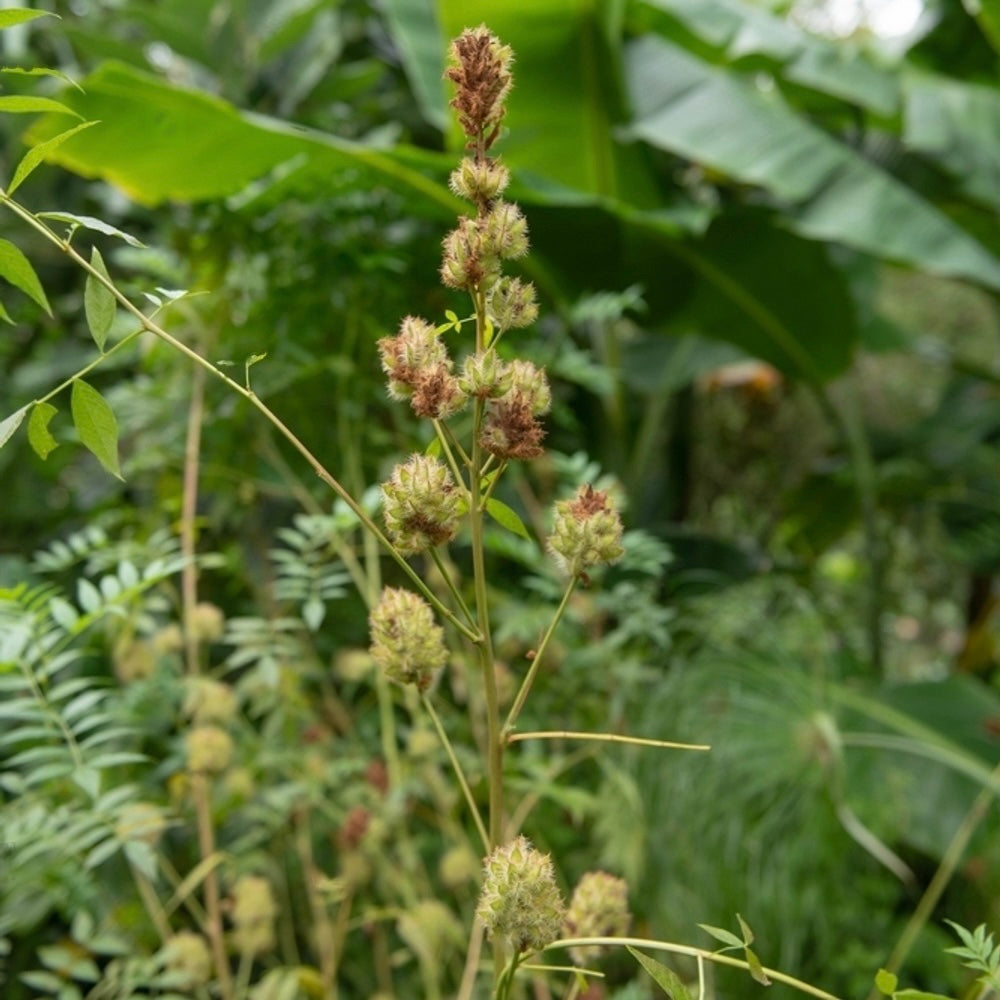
(765, 238)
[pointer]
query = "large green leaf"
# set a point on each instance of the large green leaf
(958, 125)
(719, 119)
(739, 29)
(415, 27)
(158, 142)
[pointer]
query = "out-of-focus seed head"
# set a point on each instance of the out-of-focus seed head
(209, 749)
(599, 908)
(253, 913)
(421, 504)
(587, 531)
(187, 954)
(207, 700)
(406, 641)
(520, 900)
(207, 622)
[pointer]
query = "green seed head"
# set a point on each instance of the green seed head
(520, 900)
(587, 531)
(406, 641)
(421, 505)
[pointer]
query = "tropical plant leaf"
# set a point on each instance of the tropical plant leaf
(18, 15)
(665, 978)
(98, 302)
(40, 71)
(96, 424)
(17, 269)
(717, 118)
(39, 435)
(26, 104)
(415, 27)
(37, 154)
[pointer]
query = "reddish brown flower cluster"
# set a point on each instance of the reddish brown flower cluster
(511, 429)
(482, 77)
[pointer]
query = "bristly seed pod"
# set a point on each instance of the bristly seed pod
(520, 900)
(481, 72)
(421, 504)
(587, 531)
(406, 641)
(599, 908)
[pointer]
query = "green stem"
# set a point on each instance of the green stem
(529, 679)
(251, 398)
(100, 359)
(562, 734)
(459, 773)
(450, 584)
(443, 435)
(932, 894)
(489, 489)
(697, 953)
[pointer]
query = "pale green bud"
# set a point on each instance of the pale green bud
(587, 531)
(513, 303)
(479, 180)
(599, 908)
(406, 641)
(484, 375)
(530, 384)
(421, 504)
(520, 900)
(505, 231)
(416, 349)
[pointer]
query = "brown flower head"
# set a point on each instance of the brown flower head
(480, 71)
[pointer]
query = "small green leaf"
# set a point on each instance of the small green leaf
(506, 517)
(4, 315)
(433, 447)
(919, 995)
(721, 934)
(41, 71)
(745, 928)
(18, 15)
(11, 424)
(98, 302)
(36, 154)
(756, 967)
(886, 982)
(88, 221)
(17, 269)
(96, 424)
(39, 435)
(665, 978)
(20, 104)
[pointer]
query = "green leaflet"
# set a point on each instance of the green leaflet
(39, 436)
(17, 269)
(98, 302)
(96, 424)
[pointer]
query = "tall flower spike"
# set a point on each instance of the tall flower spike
(480, 71)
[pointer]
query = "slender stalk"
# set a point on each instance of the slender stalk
(254, 401)
(493, 482)
(605, 738)
(529, 678)
(472, 953)
(152, 904)
(696, 953)
(322, 929)
(440, 429)
(935, 889)
(459, 773)
(189, 509)
(213, 908)
(100, 359)
(450, 583)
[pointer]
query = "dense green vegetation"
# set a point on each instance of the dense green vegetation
(767, 266)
